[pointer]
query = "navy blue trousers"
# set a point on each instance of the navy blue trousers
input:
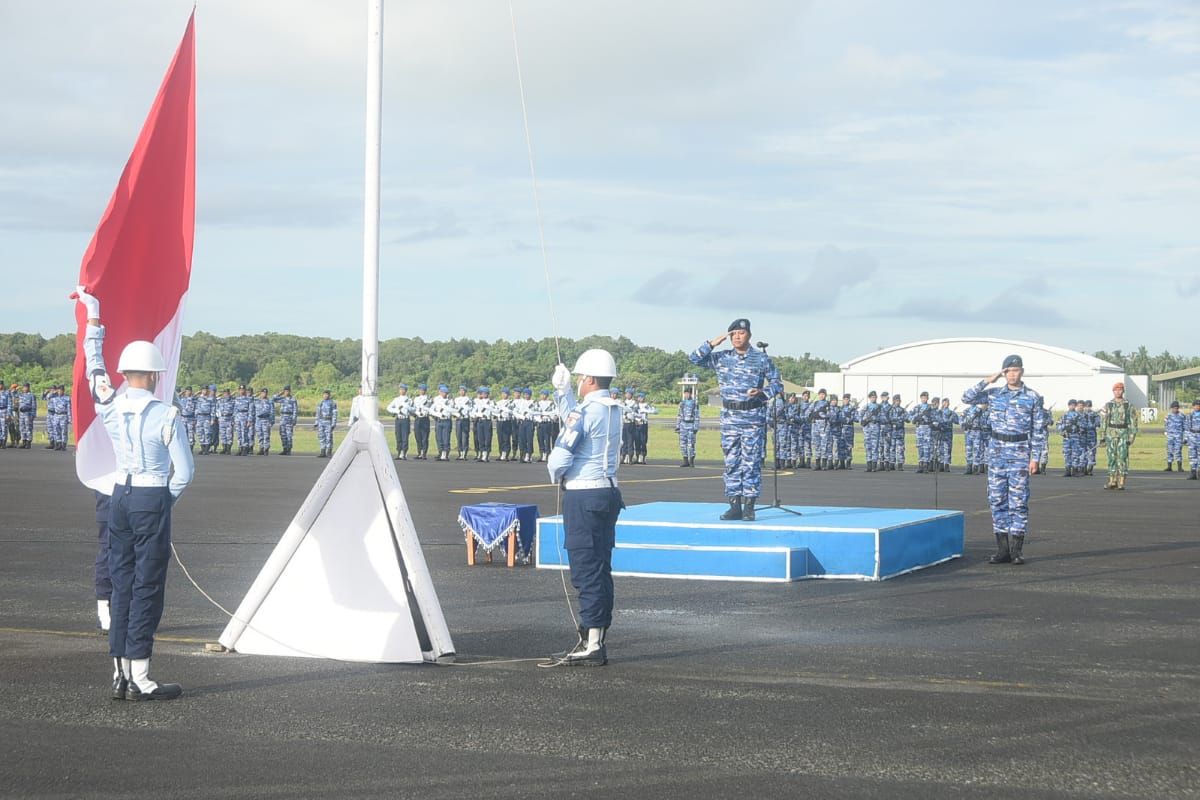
(421, 433)
(103, 581)
(462, 429)
(590, 520)
(403, 424)
(442, 431)
(139, 550)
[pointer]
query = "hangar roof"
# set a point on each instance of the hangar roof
(975, 356)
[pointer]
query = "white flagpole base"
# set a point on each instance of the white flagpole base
(347, 580)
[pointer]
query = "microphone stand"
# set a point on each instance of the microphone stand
(775, 424)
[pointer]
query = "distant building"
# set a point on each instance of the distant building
(946, 367)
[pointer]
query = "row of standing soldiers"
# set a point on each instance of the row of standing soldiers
(215, 420)
(18, 410)
(514, 419)
(819, 434)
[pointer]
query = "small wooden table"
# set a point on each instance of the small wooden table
(488, 523)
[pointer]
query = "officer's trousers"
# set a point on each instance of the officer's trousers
(287, 425)
(545, 441)
(525, 436)
(590, 520)
(403, 425)
(421, 433)
(103, 580)
(442, 433)
(483, 436)
(1008, 486)
(462, 429)
(139, 550)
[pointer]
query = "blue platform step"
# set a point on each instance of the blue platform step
(689, 541)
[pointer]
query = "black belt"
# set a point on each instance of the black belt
(1011, 437)
(743, 405)
(1126, 425)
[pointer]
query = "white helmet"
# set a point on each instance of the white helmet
(596, 363)
(141, 356)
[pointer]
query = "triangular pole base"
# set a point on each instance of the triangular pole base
(347, 580)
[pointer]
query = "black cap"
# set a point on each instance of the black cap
(924, 394)
(287, 388)
(1013, 361)
(740, 324)
(1175, 404)
(871, 393)
(1070, 402)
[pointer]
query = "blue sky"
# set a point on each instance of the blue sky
(848, 175)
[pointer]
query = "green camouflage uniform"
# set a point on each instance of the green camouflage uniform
(1120, 429)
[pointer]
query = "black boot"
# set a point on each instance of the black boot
(818, 466)
(1068, 473)
(1002, 554)
(120, 684)
(1178, 464)
(900, 468)
(735, 509)
(920, 467)
(1168, 469)
(691, 461)
(1018, 542)
(970, 470)
(685, 462)
(748, 509)
(1192, 477)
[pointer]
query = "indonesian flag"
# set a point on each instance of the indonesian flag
(140, 258)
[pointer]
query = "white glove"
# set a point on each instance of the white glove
(561, 379)
(90, 304)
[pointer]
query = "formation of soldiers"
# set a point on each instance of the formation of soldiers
(819, 433)
(217, 420)
(635, 425)
(18, 410)
(514, 421)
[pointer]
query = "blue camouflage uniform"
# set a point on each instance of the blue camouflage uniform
(1089, 425)
(1192, 429)
(687, 423)
(818, 415)
(204, 415)
(6, 398)
(792, 422)
(946, 419)
(898, 415)
(289, 408)
(187, 412)
(326, 420)
(743, 418)
(153, 467)
(921, 417)
(27, 404)
(868, 417)
(224, 410)
(264, 419)
(1016, 418)
(972, 432)
(1173, 428)
(846, 438)
(1072, 443)
(243, 420)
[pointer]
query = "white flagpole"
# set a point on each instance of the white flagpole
(369, 405)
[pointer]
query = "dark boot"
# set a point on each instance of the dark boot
(1002, 554)
(691, 461)
(685, 462)
(1178, 464)
(120, 684)
(920, 467)
(970, 470)
(900, 468)
(1168, 469)
(1067, 473)
(1018, 542)
(1192, 477)
(735, 509)
(818, 466)
(849, 466)
(748, 509)
(945, 467)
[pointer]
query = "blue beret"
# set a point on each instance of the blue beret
(1013, 361)
(404, 386)
(546, 392)
(443, 387)
(422, 386)
(462, 386)
(740, 324)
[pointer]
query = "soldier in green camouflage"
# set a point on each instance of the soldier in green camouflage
(1120, 430)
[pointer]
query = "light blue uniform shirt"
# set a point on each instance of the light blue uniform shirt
(147, 434)
(590, 443)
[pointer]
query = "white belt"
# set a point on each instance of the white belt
(594, 483)
(141, 479)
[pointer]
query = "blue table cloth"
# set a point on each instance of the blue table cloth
(490, 523)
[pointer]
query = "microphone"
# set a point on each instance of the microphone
(761, 345)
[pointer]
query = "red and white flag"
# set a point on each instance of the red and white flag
(140, 259)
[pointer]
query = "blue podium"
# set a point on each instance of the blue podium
(688, 540)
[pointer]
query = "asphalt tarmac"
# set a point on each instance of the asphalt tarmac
(1074, 676)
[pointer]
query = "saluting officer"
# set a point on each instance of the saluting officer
(1015, 415)
(288, 409)
(748, 381)
(154, 466)
(187, 412)
(687, 422)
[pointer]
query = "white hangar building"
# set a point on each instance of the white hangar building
(946, 367)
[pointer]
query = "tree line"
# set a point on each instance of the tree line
(311, 364)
